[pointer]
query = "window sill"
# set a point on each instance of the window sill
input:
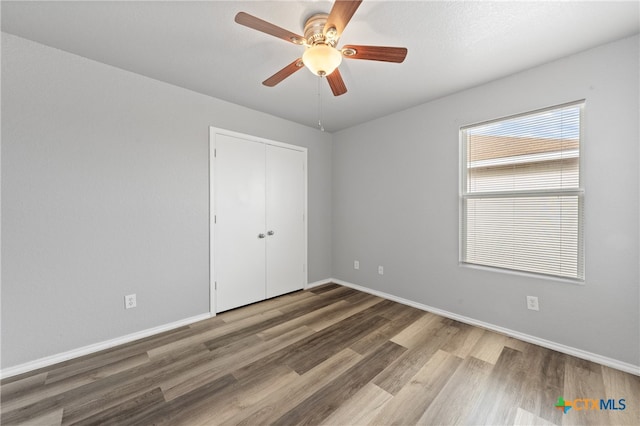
(574, 281)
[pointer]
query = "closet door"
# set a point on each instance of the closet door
(285, 206)
(239, 245)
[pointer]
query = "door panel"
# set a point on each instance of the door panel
(285, 201)
(239, 254)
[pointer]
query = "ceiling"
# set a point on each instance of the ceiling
(453, 45)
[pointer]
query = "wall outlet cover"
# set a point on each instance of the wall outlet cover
(532, 303)
(130, 301)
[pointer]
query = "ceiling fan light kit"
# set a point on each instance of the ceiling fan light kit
(321, 35)
(321, 59)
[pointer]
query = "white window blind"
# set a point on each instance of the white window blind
(521, 199)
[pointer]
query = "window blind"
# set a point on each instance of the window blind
(521, 199)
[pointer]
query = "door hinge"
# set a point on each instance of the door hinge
(215, 285)
(215, 219)
(215, 152)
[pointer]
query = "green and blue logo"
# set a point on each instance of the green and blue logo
(562, 405)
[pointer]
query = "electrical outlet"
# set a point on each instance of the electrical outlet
(356, 264)
(380, 270)
(532, 303)
(130, 301)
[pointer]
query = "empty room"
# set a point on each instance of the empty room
(320, 212)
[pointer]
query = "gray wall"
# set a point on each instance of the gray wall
(105, 193)
(395, 203)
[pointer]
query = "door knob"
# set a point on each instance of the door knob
(270, 233)
(260, 235)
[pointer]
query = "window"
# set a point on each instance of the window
(521, 199)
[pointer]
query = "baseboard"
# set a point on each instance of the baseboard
(579, 353)
(96, 347)
(318, 283)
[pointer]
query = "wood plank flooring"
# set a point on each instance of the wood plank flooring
(327, 356)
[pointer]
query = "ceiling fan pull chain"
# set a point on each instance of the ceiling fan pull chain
(320, 104)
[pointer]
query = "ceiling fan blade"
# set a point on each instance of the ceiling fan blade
(284, 73)
(336, 83)
(375, 53)
(341, 14)
(250, 21)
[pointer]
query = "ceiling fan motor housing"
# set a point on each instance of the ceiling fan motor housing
(314, 31)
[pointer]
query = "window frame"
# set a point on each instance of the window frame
(578, 192)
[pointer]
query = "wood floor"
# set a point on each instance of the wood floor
(331, 355)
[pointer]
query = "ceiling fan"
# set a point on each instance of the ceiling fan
(321, 35)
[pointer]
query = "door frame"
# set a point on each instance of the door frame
(213, 131)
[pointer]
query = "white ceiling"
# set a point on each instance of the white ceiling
(453, 45)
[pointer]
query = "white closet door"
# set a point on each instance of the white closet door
(239, 253)
(285, 186)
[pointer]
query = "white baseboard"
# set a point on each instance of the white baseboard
(318, 283)
(96, 347)
(579, 353)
